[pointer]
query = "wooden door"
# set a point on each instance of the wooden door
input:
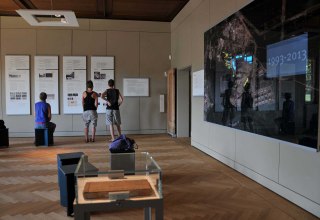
(171, 102)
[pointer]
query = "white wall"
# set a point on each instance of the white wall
(287, 169)
(141, 49)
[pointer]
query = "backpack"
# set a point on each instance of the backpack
(123, 144)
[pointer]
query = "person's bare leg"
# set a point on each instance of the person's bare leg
(112, 132)
(93, 135)
(86, 134)
(119, 130)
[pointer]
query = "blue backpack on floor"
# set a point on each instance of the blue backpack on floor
(122, 144)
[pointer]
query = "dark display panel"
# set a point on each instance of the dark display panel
(262, 70)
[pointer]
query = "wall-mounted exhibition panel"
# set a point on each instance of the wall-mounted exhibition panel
(102, 70)
(74, 83)
(136, 86)
(264, 78)
(17, 78)
(46, 80)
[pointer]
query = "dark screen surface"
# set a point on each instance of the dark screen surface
(262, 70)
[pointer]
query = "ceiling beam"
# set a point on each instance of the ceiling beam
(108, 8)
(101, 8)
(25, 4)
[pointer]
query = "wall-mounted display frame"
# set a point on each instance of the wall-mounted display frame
(136, 87)
(262, 71)
(46, 80)
(17, 84)
(102, 70)
(74, 83)
(198, 83)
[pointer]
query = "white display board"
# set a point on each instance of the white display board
(74, 83)
(136, 86)
(198, 83)
(102, 69)
(17, 79)
(46, 80)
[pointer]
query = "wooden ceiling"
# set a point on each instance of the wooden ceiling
(145, 10)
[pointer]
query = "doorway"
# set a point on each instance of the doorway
(183, 101)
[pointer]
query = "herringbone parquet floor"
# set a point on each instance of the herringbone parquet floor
(195, 186)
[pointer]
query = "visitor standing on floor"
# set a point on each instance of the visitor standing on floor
(42, 114)
(114, 100)
(90, 116)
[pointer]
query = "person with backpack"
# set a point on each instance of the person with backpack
(114, 99)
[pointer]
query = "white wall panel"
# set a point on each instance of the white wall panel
(222, 140)
(300, 171)
(199, 128)
(213, 153)
(258, 153)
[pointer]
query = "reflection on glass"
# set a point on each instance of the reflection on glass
(262, 71)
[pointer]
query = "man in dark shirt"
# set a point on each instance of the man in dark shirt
(114, 100)
(90, 104)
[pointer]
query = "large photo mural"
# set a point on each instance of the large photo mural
(262, 70)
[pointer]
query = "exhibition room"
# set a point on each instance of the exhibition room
(176, 109)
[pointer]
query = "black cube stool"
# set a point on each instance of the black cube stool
(4, 137)
(43, 136)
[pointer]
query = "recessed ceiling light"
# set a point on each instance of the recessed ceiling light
(42, 17)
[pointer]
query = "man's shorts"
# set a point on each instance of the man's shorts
(113, 117)
(90, 116)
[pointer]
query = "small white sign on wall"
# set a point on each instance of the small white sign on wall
(162, 103)
(198, 83)
(136, 86)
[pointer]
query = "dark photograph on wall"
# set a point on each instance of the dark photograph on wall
(262, 70)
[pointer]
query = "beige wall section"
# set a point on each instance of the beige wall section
(125, 47)
(141, 49)
(55, 42)
(17, 42)
(152, 62)
(277, 165)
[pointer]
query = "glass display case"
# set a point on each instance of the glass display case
(125, 180)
